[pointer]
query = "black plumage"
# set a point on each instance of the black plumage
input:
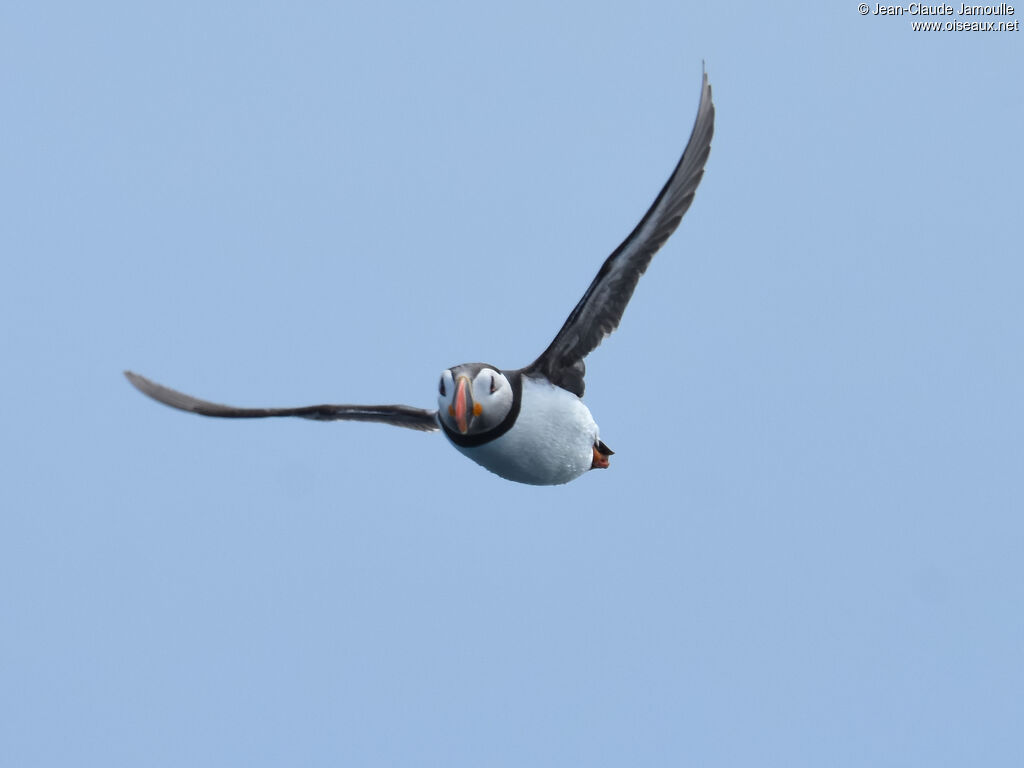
(599, 311)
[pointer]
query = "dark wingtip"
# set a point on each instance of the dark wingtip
(141, 383)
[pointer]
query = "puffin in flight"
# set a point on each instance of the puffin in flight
(528, 425)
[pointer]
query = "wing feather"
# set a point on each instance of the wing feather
(398, 415)
(599, 311)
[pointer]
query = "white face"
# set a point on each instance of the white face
(473, 398)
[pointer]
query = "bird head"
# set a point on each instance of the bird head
(473, 398)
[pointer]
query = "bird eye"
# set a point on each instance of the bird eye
(440, 388)
(494, 383)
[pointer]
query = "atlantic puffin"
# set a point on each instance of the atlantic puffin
(528, 425)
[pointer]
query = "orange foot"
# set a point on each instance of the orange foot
(601, 454)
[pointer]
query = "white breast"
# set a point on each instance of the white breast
(552, 441)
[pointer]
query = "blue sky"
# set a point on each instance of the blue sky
(807, 550)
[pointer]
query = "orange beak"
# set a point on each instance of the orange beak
(463, 404)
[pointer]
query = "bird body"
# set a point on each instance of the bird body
(551, 442)
(528, 425)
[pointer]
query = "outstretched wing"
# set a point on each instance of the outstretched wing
(600, 310)
(399, 415)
